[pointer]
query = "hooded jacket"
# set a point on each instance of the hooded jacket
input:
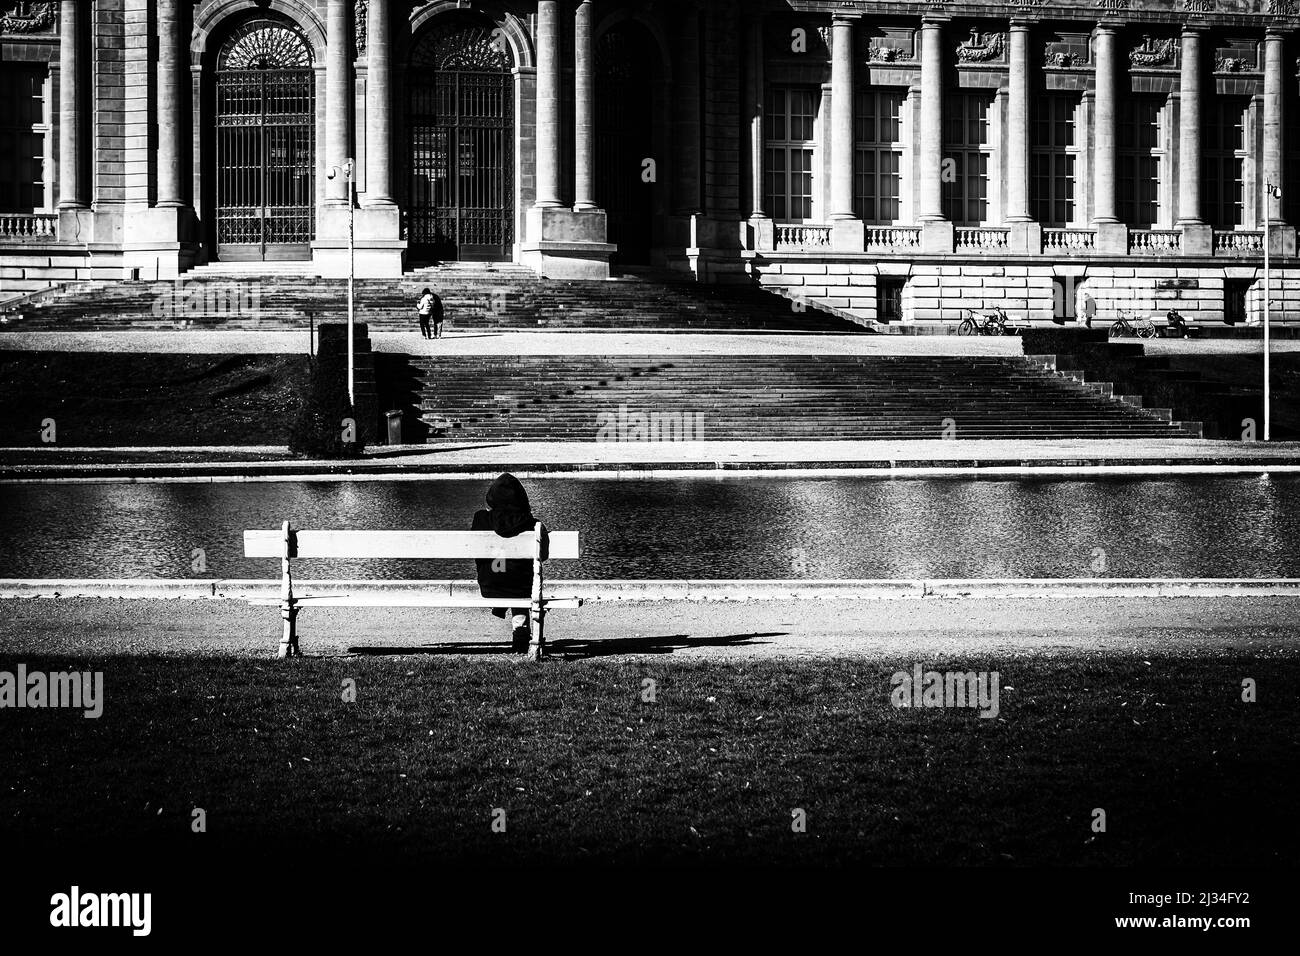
(508, 514)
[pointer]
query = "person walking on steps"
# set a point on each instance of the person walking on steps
(424, 309)
(437, 315)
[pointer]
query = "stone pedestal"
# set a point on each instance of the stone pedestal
(76, 225)
(1026, 238)
(848, 235)
(1112, 239)
(566, 243)
(159, 243)
(1198, 239)
(938, 238)
(1282, 241)
(762, 234)
(378, 246)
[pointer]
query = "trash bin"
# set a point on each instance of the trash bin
(395, 427)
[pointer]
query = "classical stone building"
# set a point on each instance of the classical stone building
(898, 161)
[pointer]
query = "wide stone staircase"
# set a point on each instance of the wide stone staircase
(768, 397)
(505, 297)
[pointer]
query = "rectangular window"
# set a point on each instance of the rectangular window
(1052, 157)
(966, 158)
(791, 123)
(1139, 157)
(889, 298)
(1225, 161)
(877, 156)
(22, 138)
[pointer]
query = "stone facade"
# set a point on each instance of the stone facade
(991, 199)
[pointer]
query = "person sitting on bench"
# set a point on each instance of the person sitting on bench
(508, 514)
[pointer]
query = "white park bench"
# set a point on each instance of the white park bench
(287, 544)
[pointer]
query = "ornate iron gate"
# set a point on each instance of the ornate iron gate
(460, 120)
(266, 151)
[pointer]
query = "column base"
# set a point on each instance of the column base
(848, 235)
(1198, 239)
(938, 237)
(377, 232)
(1112, 239)
(1026, 238)
(566, 243)
(161, 224)
(76, 225)
(1282, 240)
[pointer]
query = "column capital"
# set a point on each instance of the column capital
(1022, 24)
(1192, 29)
(935, 20)
(1109, 26)
(1275, 32)
(845, 19)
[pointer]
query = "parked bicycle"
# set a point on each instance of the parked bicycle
(995, 323)
(1142, 328)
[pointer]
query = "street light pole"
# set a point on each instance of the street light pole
(347, 170)
(352, 271)
(1271, 192)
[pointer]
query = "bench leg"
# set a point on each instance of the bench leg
(537, 645)
(289, 635)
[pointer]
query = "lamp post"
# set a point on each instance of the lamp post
(1271, 192)
(347, 170)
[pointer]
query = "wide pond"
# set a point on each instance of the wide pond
(688, 528)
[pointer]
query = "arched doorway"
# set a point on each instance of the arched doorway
(626, 66)
(461, 143)
(264, 168)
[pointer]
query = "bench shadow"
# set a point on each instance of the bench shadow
(581, 649)
(570, 649)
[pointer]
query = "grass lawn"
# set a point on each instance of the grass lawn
(122, 398)
(708, 773)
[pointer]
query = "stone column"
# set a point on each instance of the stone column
(1273, 118)
(548, 103)
(763, 233)
(170, 185)
(1026, 234)
(847, 231)
(1198, 236)
(379, 108)
(1189, 129)
(937, 232)
(584, 96)
(1103, 190)
(562, 242)
(842, 118)
(1018, 125)
(931, 177)
(1281, 235)
(338, 97)
(71, 193)
(1112, 235)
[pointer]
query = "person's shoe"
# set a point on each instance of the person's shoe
(519, 637)
(519, 640)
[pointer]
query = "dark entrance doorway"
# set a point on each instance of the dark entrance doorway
(266, 150)
(461, 133)
(625, 109)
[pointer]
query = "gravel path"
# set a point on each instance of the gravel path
(906, 630)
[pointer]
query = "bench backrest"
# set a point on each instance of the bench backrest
(404, 544)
